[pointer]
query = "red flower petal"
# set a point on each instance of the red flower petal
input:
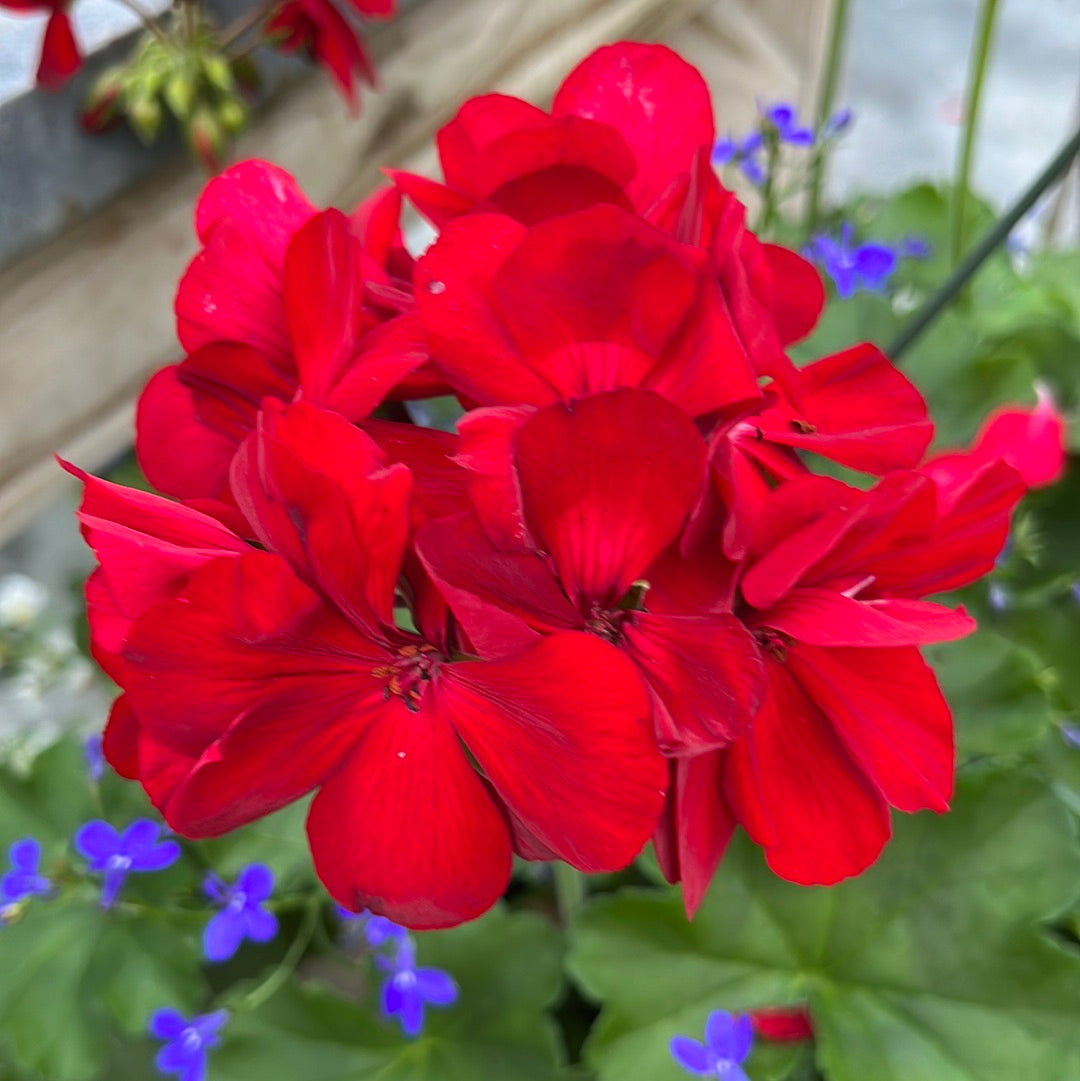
(823, 617)
(561, 731)
(60, 56)
(120, 740)
(605, 506)
(165, 419)
(1032, 441)
(863, 413)
(406, 828)
(315, 489)
(694, 833)
(800, 794)
(887, 708)
(706, 673)
(798, 293)
(658, 102)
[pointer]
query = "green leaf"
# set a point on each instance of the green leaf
(1000, 706)
(508, 969)
(930, 967)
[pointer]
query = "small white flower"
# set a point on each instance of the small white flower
(22, 600)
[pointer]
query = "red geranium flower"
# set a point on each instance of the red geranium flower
(270, 673)
(282, 300)
(60, 56)
(318, 28)
(853, 720)
(592, 512)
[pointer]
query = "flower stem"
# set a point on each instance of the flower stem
(243, 24)
(287, 965)
(570, 890)
(148, 21)
(973, 99)
(993, 239)
(769, 188)
(834, 56)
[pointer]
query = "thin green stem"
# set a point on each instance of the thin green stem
(769, 188)
(834, 58)
(993, 239)
(570, 890)
(973, 100)
(148, 21)
(287, 965)
(242, 25)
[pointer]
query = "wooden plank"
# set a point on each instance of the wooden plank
(85, 320)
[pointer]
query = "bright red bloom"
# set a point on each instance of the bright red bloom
(318, 28)
(631, 126)
(1032, 441)
(282, 300)
(596, 512)
(623, 305)
(853, 719)
(270, 673)
(60, 56)
(783, 1025)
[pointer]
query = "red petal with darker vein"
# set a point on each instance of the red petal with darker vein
(658, 102)
(228, 382)
(60, 57)
(501, 598)
(469, 342)
(800, 793)
(165, 419)
(605, 506)
(562, 733)
(323, 293)
(823, 617)
(703, 822)
(295, 737)
(243, 631)
(487, 452)
(861, 412)
(406, 828)
(316, 490)
(434, 201)
(706, 672)
(886, 706)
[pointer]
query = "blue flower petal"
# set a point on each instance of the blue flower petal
(436, 986)
(690, 1055)
(172, 1058)
(25, 855)
(256, 882)
(874, 263)
(157, 858)
(742, 1037)
(167, 1024)
(97, 841)
(114, 881)
(261, 925)
(223, 935)
(720, 1034)
(195, 1068)
(207, 1025)
(723, 151)
(411, 1013)
(140, 837)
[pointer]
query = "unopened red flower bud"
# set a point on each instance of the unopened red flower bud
(789, 1025)
(146, 116)
(103, 104)
(208, 138)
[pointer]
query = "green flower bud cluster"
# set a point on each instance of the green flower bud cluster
(187, 77)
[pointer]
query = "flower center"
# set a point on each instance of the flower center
(190, 1040)
(607, 623)
(118, 863)
(773, 642)
(408, 674)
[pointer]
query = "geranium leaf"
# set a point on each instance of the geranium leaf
(930, 967)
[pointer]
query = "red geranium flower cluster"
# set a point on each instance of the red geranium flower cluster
(616, 605)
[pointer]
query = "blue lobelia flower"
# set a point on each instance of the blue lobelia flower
(743, 153)
(785, 120)
(853, 267)
(727, 1043)
(118, 854)
(95, 757)
(187, 1042)
(839, 122)
(24, 879)
(409, 989)
(242, 915)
